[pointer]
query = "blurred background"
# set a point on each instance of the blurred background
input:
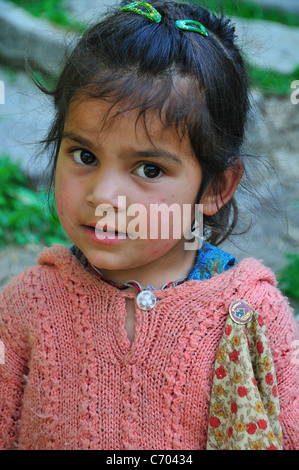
(267, 31)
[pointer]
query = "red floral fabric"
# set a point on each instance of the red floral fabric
(244, 408)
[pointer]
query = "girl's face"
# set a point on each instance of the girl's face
(98, 163)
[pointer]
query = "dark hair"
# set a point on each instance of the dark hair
(128, 59)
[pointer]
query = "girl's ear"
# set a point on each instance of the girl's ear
(213, 200)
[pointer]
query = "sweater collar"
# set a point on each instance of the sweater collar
(210, 261)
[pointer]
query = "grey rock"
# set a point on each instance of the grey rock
(290, 6)
(89, 11)
(269, 45)
(24, 120)
(22, 35)
(14, 260)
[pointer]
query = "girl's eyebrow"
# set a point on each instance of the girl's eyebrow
(151, 153)
(159, 153)
(77, 138)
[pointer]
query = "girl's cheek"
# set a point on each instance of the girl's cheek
(61, 204)
(61, 214)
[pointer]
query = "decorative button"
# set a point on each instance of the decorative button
(240, 312)
(146, 300)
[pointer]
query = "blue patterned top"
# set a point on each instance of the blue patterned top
(209, 262)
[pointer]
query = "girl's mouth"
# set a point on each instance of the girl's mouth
(104, 234)
(108, 230)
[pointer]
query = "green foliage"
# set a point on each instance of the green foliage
(25, 215)
(51, 10)
(271, 82)
(289, 277)
(250, 10)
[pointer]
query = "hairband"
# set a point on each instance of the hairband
(150, 12)
(153, 15)
(191, 25)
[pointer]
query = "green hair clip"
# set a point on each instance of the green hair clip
(151, 13)
(190, 25)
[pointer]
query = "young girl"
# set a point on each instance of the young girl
(112, 344)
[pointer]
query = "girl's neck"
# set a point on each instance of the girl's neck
(170, 267)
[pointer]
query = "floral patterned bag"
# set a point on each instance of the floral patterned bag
(244, 408)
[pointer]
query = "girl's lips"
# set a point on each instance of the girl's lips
(108, 237)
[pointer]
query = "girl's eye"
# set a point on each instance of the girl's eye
(83, 157)
(148, 170)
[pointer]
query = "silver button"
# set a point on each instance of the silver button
(146, 300)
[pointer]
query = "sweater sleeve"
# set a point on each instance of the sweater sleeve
(13, 367)
(283, 334)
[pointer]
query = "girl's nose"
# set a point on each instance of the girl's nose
(107, 190)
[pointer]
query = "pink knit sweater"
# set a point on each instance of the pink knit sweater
(72, 380)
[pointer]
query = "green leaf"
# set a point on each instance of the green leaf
(289, 277)
(24, 214)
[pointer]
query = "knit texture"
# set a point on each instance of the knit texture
(72, 380)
